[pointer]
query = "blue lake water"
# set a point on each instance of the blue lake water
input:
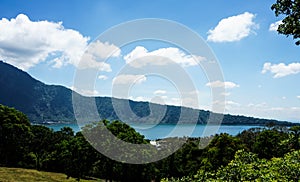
(153, 132)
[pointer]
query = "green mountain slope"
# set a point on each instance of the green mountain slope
(40, 102)
(52, 103)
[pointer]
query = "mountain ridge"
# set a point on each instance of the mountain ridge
(44, 103)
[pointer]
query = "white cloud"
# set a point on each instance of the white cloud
(298, 96)
(226, 93)
(165, 100)
(164, 97)
(274, 26)
(220, 106)
(160, 57)
(90, 61)
(85, 92)
(89, 92)
(159, 92)
(175, 101)
(259, 105)
(25, 43)
(277, 108)
(103, 50)
(139, 98)
(96, 55)
(233, 28)
(232, 103)
(129, 79)
(281, 69)
(227, 85)
(264, 110)
(102, 77)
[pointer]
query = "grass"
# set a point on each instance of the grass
(29, 175)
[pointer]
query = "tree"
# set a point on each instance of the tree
(14, 136)
(78, 157)
(220, 151)
(246, 166)
(296, 134)
(291, 23)
(113, 170)
(55, 153)
(248, 137)
(41, 145)
(267, 144)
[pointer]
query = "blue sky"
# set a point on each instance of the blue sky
(261, 68)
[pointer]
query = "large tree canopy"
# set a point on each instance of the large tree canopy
(291, 23)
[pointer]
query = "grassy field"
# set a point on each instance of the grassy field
(29, 175)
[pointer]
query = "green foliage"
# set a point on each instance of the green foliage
(41, 145)
(252, 168)
(126, 133)
(248, 137)
(14, 136)
(246, 166)
(220, 151)
(295, 137)
(291, 22)
(78, 156)
(112, 170)
(185, 161)
(267, 144)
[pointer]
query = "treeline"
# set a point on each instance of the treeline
(247, 166)
(246, 156)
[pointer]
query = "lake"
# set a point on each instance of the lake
(160, 131)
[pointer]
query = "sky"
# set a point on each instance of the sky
(260, 68)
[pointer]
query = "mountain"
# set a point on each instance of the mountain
(51, 103)
(40, 102)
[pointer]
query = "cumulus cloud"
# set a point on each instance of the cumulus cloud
(25, 43)
(159, 92)
(103, 50)
(96, 55)
(233, 28)
(227, 85)
(102, 77)
(281, 69)
(274, 26)
(129, 79)
(298, 96)
(160, 57)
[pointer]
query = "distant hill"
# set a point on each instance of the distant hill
(51, 103)
(40, 102)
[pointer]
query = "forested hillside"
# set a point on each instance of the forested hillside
(51, 103)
